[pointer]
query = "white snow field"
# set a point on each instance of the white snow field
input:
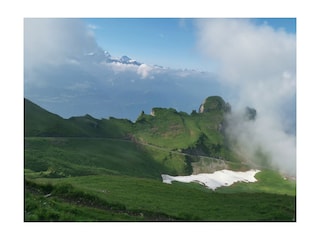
(215, 179)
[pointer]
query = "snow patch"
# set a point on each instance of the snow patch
(216, 179)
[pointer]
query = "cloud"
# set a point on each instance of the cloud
(248, 54)
(258, 65)
(52, 41)
(120, 67)
(67, 73)
(144, 70)
(92, 26)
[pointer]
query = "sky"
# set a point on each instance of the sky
(170, 42)
(167, 42)
(199, 58)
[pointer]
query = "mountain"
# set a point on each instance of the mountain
(87, 169)
(104, 56)
(40, 122)
(200, 132)
(127, 60)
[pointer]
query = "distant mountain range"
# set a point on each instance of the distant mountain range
(101, 55)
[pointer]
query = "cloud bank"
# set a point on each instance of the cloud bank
(258, 65)
(52, 41)
(67, 73)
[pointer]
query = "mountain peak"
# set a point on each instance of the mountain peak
(125, 59)
(107, 54)
(214, 103)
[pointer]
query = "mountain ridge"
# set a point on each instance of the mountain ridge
(104, 56)
(198, 132)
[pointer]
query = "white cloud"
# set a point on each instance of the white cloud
(144, 70)
(248, 54)
(52, 41)
(258, 64)
(120, 67)
(92, 26)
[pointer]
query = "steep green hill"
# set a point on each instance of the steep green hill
(58, 157)
(39, 122)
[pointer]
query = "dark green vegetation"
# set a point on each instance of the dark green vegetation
(84, 169)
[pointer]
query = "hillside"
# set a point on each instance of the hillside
(197, 134)
(110, 169)
(39, 122)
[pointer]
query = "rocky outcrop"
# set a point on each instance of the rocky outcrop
(250, 113)
(214, 103)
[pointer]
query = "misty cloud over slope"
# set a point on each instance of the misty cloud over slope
(257, 64)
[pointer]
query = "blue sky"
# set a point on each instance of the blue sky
(288, 24)
(170, 42)
(167, 42)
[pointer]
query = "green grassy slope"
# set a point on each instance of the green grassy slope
(85, 169)
(65, 157)
(153, 200)
(198, 133)
(268, 181)
(41, 123)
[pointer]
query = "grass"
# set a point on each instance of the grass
(84, 169)
(268, 181)
(113, 172)
(88, 156)
(165, 129)
(69, 205)
(176, 202)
